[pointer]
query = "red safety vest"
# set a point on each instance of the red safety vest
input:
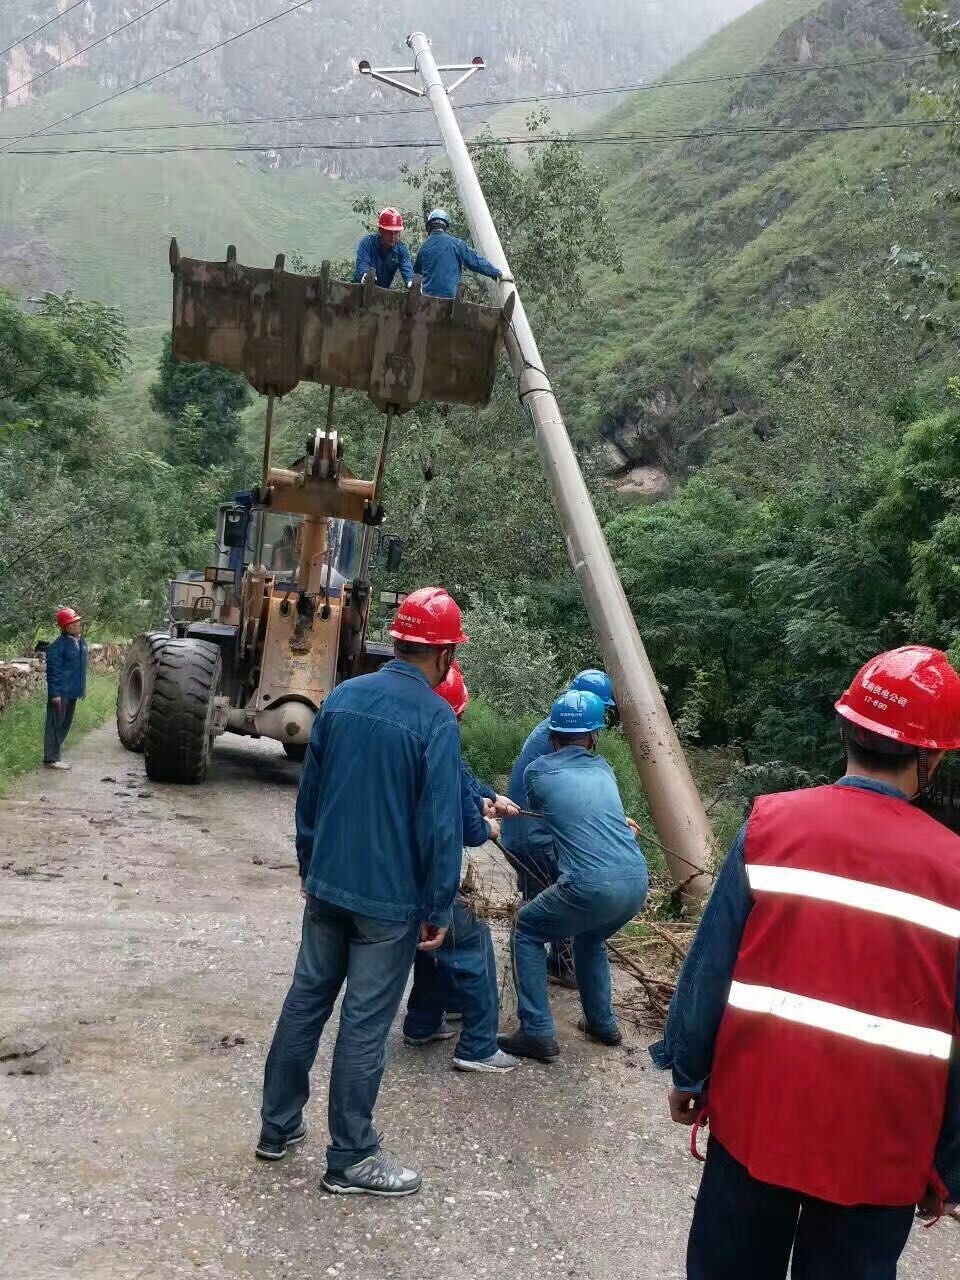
(831, 1064)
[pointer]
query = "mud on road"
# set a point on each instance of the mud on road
(147, 937)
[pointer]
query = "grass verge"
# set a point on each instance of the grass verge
(21, 726)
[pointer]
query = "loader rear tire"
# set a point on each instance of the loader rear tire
(179, 737)
(136, 686)
(295, 751)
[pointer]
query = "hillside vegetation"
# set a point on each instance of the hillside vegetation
(727, 239)
(780, 355)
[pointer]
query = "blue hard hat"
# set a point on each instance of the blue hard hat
(595, 681)
(577, 712)
(438, 215)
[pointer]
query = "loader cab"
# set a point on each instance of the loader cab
(248, 535)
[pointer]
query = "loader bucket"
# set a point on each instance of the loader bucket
(278, 329)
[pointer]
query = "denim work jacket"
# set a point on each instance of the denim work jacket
(379, 819)
(441, 260)
(371, 256)
(521, 835)
(472, 795)
(704, 985)
(67, 667)
(577, 793)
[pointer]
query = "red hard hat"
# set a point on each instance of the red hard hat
(453, 689)
(429, 616)
(67, 616)
(390, 219)
(911, 695)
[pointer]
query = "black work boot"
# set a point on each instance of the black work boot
(520, 1045)
(277, 1148)
(609, 1038)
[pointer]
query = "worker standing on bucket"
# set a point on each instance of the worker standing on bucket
(66, 667)
(462, 972)
(815, 1017)
(379, 844)
(384, 253)
(602, 881)
(442, 258)
(527, 841)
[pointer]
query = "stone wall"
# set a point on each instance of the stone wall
(22, 676)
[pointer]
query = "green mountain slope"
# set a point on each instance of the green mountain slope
(106, 220)
(727, 239)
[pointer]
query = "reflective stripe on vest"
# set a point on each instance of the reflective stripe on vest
(766, 878)
(867, 1027)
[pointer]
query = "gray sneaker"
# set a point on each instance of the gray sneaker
(57, 764)
(498, 1061)
(443, 1032)
(381, 1174)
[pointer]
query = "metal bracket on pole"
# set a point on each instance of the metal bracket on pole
(675, 804)
(388, 75)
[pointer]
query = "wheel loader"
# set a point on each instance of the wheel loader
(258, 639)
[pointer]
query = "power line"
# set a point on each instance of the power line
(639, 139)
(184, 62)
(86, 49)
(43, 26)
(641, 87)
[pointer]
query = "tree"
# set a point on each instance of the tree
(549, 213)
(941, 28)
(55, 363)
(209, 434)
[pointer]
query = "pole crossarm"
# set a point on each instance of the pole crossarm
(388, 75)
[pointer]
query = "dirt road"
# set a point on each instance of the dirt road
(147, 936)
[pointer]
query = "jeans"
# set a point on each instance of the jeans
(373, 957)
(461, 974)
(57, 727)
(589, 912)
(744, 1230)
(536, 872)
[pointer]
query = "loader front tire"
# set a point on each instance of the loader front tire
(179, 737)
(136, 686)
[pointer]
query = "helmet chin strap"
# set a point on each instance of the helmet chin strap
(923, 770)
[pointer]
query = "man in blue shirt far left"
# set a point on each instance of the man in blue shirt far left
(384, 253)
(379, 844)
(66, 664)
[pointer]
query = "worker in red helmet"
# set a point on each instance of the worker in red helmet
(462, 973)
(379, 846)
(66, 667)
(384, 253)
(815, 1017)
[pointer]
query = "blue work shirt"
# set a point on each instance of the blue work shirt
(371, 256)
(525, 835)
(67, 667)
(472, 794)
(704, 987)
(379, 825)
(577, 793)
(441, 260)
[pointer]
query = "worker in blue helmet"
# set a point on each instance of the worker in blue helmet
(602, 881)
(527, 841)
(593, 680)
(442, 258)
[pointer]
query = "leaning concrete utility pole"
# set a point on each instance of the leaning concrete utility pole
(675, 803)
